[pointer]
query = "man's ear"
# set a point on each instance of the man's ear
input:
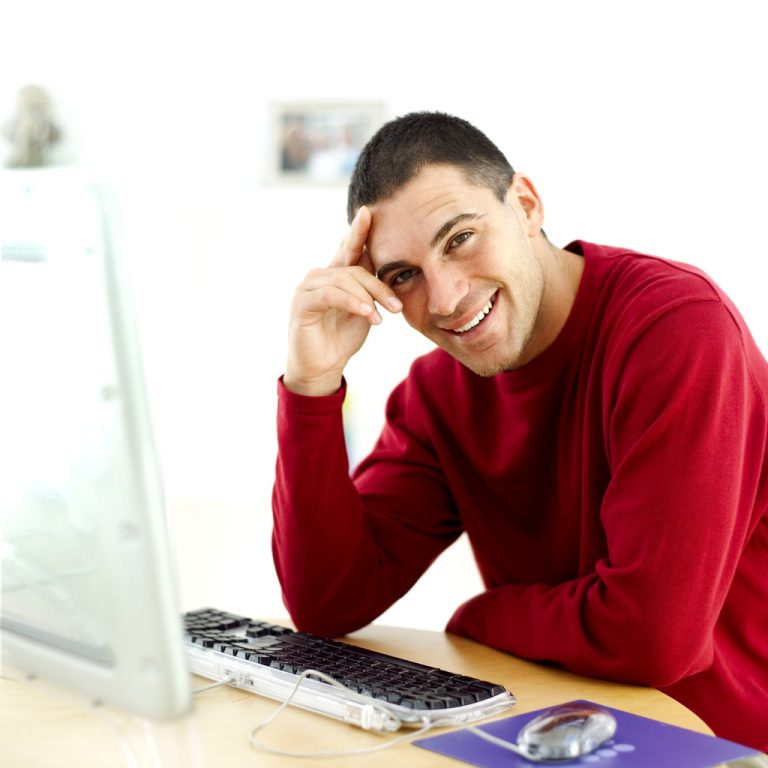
(524, 197)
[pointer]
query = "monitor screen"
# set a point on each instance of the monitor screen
(88, 593)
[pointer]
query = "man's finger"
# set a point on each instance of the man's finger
(353, 245)
(321, 298)
(365, 261)
(357, 280)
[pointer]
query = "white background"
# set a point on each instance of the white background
(642, 124)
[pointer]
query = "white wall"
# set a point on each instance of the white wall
(643, 125)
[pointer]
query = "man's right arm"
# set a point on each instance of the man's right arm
(346, 548)
(321, 534)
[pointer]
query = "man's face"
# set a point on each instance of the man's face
(466, 266)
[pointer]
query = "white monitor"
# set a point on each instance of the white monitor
(88, 593)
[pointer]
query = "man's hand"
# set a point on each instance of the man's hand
(332, 311)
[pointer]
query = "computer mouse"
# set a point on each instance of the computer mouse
(566, 732)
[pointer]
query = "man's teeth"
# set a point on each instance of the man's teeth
(475, 320)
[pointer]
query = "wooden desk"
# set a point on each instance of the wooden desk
(41, 727)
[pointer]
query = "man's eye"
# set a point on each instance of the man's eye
(460, 238)
(402, 277)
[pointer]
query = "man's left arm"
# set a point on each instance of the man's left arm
(686, 444)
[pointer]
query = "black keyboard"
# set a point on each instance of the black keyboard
(396, 682)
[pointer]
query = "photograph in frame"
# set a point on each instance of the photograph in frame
(318, 143)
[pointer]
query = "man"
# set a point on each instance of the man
(594, 419)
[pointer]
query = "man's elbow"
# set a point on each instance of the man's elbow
(322, 620)
(661, 662)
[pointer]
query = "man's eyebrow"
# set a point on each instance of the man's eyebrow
(450, 224)
(439, 235)
(392, 265)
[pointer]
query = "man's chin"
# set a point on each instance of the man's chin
(485, 367)
(495, 358)
(487, 371)
(489, 364)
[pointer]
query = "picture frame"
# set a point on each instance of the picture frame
(317, 143)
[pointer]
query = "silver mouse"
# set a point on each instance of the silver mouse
(564, 732)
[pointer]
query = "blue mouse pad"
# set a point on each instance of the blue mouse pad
(639, 742)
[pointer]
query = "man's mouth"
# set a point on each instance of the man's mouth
(478, 318)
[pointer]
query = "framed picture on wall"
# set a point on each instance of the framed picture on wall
(317, 142)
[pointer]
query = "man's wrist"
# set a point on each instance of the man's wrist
(321, 387)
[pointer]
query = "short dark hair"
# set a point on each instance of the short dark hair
(401, 148)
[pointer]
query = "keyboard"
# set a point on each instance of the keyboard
(381, 692)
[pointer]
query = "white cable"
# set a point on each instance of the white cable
(511, 746)
(228, 681)
(426, 725)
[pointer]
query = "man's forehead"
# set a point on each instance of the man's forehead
(391, 216)
(397, 233)
(420, 208)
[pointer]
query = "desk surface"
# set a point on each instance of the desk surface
(41, 727)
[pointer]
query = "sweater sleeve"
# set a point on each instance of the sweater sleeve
(346, 548)
(685, 438)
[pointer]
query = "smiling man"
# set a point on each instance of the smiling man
(593, 419)
(474, 273)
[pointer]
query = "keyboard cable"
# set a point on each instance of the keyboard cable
(226, 681)
(427, 724)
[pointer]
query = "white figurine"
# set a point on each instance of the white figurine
(31, 130)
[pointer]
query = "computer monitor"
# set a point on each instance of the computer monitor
(88, 593)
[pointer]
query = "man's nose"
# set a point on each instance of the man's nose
(446, 288)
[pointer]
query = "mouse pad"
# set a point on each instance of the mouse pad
(639, 742)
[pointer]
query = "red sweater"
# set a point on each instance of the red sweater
(614, 492)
